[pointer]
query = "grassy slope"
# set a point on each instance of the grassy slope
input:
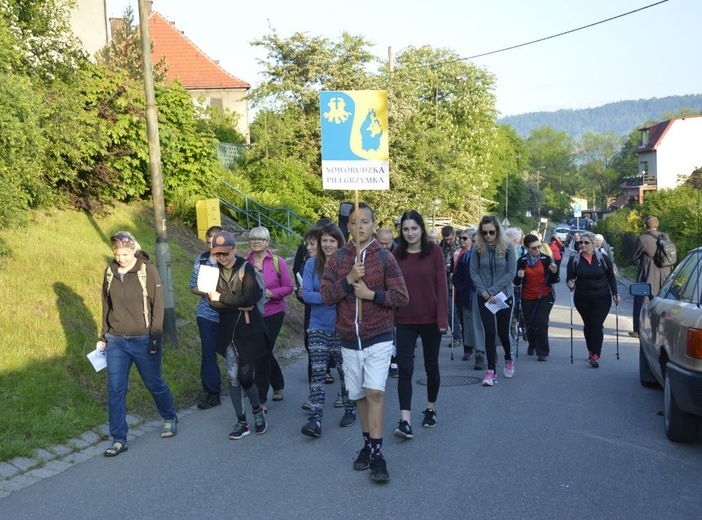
(50, 313)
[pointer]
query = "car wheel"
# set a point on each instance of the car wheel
(679, 426)
(645, 373)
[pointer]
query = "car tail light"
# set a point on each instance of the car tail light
(693, 347)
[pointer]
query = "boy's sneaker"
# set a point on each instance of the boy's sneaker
(260, 424)
(490, 378)
(312, 429)
(379, 470)
(241, 429)
(509, 368)
(349, 419)
(403, 430)
(594, 361)
(429, 418)
(339, 403)
(362, 462)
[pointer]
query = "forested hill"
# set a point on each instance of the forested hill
(620, 117)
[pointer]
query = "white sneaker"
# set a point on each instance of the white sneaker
(490, 378)
(509, 368)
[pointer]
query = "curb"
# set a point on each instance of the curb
(22, 472)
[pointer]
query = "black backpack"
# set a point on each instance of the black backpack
(666, 254)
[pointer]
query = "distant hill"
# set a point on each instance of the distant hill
(620, 117)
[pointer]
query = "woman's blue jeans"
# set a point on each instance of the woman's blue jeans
(121, 353)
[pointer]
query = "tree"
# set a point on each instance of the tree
(595, 155)
(124, 52)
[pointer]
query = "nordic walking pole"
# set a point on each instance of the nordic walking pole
(571, 327)
(519, 319)
(453, 317)
(358, 251)
(616, 330)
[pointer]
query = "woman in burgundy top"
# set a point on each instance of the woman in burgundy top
(426, 316)
(535, 273)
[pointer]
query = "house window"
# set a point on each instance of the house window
(216, 102)
(645, 136)
(643, 167)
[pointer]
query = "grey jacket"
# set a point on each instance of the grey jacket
(493, 273)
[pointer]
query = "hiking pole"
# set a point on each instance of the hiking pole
(616, 330)
(453, 317)
(571, 327)
(519, 319)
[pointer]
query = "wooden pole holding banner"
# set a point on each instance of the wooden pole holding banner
(359, 302)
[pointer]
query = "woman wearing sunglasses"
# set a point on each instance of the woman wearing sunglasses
(132, 327)
(493, 266)
(591, 277)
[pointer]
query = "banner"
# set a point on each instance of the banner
(354, 140)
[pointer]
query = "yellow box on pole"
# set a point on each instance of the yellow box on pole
(208, 215)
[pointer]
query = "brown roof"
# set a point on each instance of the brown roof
(185, 60)
(656, 132)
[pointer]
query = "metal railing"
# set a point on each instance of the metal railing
(256, 214)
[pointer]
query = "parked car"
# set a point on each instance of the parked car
(561, 232)
(670, 346)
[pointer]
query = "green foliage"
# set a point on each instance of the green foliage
(123, 53)
(222, 123)
(596, 153)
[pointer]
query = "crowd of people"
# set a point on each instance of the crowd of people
(368, 298)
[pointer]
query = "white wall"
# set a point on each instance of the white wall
(89, 24)
(680, 152)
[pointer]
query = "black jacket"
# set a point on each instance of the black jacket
(250, 339)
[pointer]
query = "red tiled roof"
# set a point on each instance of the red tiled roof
(185, 60)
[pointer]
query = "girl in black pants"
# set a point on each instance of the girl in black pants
(493, 265)
(591, 276)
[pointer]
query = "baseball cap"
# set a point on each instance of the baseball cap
(223, 242)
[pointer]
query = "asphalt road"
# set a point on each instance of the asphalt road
(556, 441)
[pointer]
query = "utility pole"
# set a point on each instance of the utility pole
(163, 253)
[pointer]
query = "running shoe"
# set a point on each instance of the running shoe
(379, 470)
(312, 429)
(429, 418)
(339, 403)
(260, 424)
(509, 368)
(490, 378)
(349, 419)
(362, 462)
(595, 361)
(241, 429)
(403, 430)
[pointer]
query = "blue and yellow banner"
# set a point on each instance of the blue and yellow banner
(354, 140)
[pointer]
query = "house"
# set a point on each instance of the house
(667, 154)
(88, 20)
(199, 74)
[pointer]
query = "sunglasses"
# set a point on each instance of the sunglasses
(585, 242)
(489, 232)
(257, 240)
(222, 255)
(463, 238)
(121, 238)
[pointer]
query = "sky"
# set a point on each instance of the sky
(651, 53)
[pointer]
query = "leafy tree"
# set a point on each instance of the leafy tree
(41, 34)
(124, 51)
(222, 123)
(595, 155)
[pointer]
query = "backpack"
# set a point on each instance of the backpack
(600, 260)
(261, 303)
(141, 274)
(666, 254)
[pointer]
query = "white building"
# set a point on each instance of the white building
(89, 24)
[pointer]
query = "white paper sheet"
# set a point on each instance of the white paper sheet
(299, 279)
(499, 304)
(98, 360)
(207, 279)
